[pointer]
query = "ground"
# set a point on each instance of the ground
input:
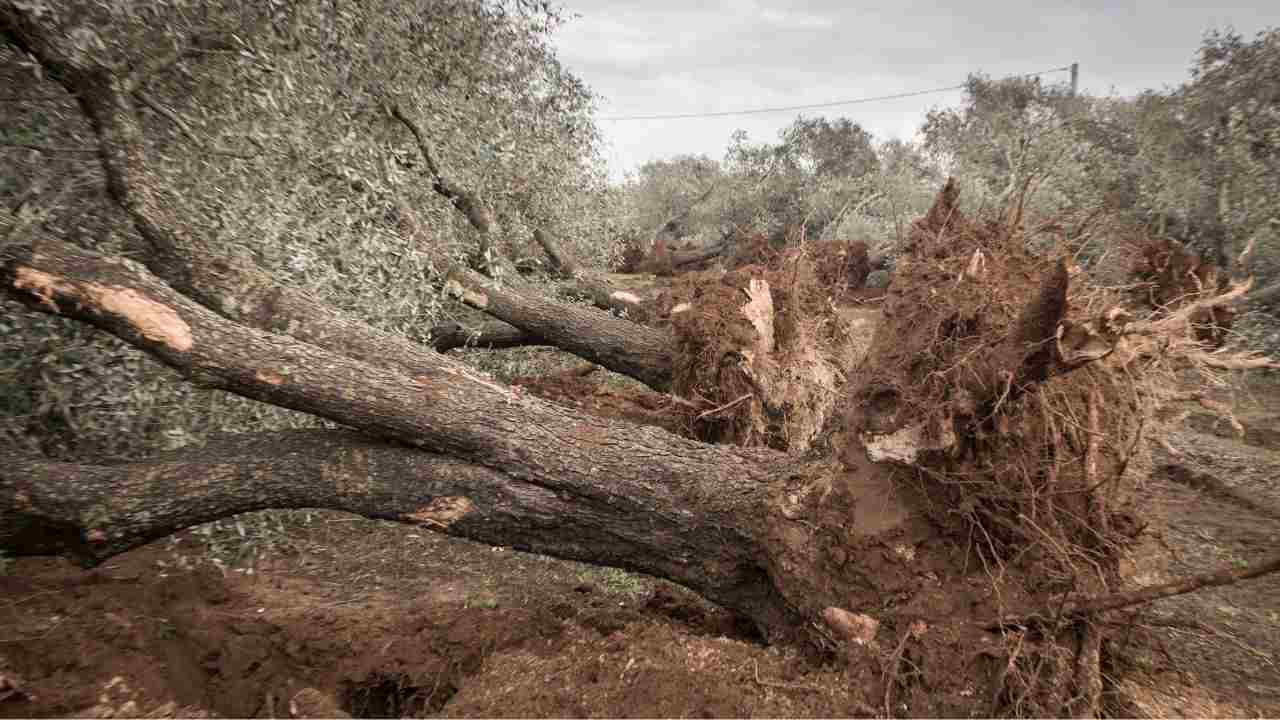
(315, 614)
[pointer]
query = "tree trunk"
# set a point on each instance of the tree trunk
(96, 511)
(641, 352)
(673, 487)
(688, 257)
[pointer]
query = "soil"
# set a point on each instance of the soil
(314, 614)
(337, 614)
(365, 618)
(1213, 502)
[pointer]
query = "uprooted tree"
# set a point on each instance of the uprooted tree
(953, 484)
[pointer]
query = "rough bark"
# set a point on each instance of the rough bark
(620, 345)
(606, 297)
(224, 279)
(670, 484)
(491, 336)
(562, 263)
(97, 511)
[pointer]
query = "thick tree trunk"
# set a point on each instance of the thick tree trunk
(672, 485)
(642, 352)
(97, 511)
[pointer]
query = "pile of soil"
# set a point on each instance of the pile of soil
(363, 620)
(968, 378)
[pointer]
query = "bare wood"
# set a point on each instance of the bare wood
(585, 284)
(223, 279)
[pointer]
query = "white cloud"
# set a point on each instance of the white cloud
(665, 56)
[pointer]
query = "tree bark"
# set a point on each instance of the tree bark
(671, 484)
(224, 279)
(688, 257)
(97, 511)
(491, 336)
(641, 352)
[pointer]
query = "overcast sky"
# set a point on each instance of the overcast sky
(648, 57)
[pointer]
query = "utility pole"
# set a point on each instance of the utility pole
(1075, 78)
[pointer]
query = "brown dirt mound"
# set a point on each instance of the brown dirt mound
(965, 375)
(336, 629)
(760, 350)
(632, 256)
(752, 249)
(1017, 460)
(712, 334)
(842, 267)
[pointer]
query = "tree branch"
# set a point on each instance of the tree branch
(223, 279)
(586, 461)
(584, 284)
(471, 205)
(1151, 593)
(97, 511)
(494, 336)
(620, 345)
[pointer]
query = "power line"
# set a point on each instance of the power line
(815, 106)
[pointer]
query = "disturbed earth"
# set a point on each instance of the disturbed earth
(295, 614)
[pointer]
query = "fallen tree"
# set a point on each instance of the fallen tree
(968, 467)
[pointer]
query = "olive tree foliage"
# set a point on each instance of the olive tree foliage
(823, 178)
(270, 120)
(1211, 152)
(899, 190)
(1014, 134)
(802, 185)
(1199, 163)
(672, 196)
